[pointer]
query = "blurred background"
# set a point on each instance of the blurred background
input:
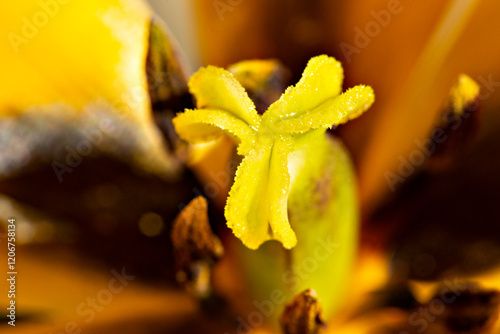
(423, 223)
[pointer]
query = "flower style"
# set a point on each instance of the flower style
(256, 209)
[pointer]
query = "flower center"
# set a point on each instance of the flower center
(265, 135)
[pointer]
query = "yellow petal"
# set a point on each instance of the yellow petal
(216, 88)
(338, 110)
(247, 204)
(257, 207)
(279, 188)
(321, 80)
(264, 80)
(204, 125)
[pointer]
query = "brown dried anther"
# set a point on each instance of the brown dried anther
(196, 247)
(303, 314)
